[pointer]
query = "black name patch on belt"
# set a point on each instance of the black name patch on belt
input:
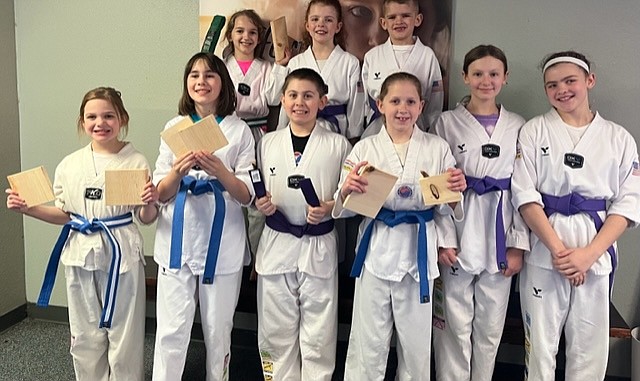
(244, 89)
(293, 181)
(490, 151)
(93, 193)
(573, 160)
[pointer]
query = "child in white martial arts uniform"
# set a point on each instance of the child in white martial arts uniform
(255, 90)
(402, 52)
(200, 226)
(297, 255)
(476, 279)
(576, 183)
(344, 112)
(101, 247)
(400, 244)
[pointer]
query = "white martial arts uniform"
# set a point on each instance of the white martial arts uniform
(475, 292)
(180, 290)
(114, 353)
(387, 292)
(255, 92)
(609, 171)
(380, 62)
(297, 277)
(341, 74)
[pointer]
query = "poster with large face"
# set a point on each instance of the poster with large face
(361, 25)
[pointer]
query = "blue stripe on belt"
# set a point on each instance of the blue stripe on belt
(82, 225)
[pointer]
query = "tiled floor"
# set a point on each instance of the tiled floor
(35, 350)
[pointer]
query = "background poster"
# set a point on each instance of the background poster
(361, 25)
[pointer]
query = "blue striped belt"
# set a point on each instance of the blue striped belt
(81, 224)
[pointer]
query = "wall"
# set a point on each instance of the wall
(12, 272)
(65, 48)
(141, 47)
(608, 33)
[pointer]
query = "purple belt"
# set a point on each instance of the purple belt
(573, 203)
(279, 222)
(489, 184)
(330, 112)
(376, 112)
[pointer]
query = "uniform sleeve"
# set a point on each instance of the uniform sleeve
(273, 84)
(351, 160)
(279, 74)
(447, 236)
(58, 189)
(439, 128)
(525, 177)
(355, 107)
(245, 160)
(434, 95)
(165, 159)
(626, 202)
(365, 90)
(518, 233)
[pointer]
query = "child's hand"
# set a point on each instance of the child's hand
(287, 56)
(514, 262)
(210, 163)
(457, 182)
(447, 256)
(184, 163)
(578, 279)
(315, 214)
(150, 194)
(15, 202)
(265, 206)
(354, 182)
(572, 262)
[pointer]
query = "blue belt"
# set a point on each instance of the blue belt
(330, 112)
(376, 112)
(392, 218)
(573, 203)
(489, 184)
(81, 224)
(198, 187)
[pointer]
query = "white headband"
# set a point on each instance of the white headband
(572, 60)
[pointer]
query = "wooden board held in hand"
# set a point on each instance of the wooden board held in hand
(434, 190)
(279, 36)
(124, 186)
(369, 203)
(204, 135)
(33, 186)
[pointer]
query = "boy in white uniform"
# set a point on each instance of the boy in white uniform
(576, 183)
(297, 254)
(402, 52)
(476, 280)
(397, 252)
